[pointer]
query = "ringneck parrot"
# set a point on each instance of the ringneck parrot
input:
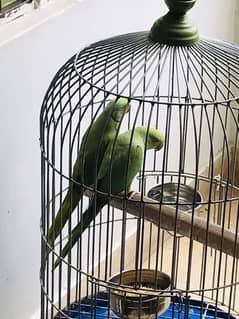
(92, 149)
(121, 162)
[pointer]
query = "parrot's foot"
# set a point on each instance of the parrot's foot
(131, 194)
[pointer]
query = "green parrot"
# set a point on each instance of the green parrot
(121, 162)
(92, 149)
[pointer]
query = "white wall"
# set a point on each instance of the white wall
(237, 22)
(27, 65)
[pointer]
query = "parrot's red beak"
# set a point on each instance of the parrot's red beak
(128, 108)
(159, 147)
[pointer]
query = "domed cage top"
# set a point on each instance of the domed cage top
(161, 237)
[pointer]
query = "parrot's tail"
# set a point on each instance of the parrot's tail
(69, 204)
(95, 206)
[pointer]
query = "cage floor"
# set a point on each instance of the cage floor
(98, 308)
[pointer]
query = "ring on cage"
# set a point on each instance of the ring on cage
(120, 117)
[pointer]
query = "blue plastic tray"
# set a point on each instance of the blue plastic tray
(97, 308)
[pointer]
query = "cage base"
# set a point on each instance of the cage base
(98, 308)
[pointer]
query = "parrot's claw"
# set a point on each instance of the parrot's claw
(131, 194)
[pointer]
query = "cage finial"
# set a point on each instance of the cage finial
(175, 28)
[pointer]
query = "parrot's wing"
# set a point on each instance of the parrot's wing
(106, 161)
(118, 168)
(116, 151)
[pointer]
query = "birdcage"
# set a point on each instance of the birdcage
(142, 130)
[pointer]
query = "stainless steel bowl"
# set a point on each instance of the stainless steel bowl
(171, 194)
(135, 295)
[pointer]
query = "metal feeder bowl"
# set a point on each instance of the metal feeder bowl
(184, 195)
(134, 294)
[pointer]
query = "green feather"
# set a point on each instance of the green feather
(120, 164)
(85, 171)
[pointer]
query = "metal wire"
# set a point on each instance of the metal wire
(190, 94)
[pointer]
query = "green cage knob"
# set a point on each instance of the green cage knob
(175, 28)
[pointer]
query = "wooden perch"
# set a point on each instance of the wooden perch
(166, 215)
